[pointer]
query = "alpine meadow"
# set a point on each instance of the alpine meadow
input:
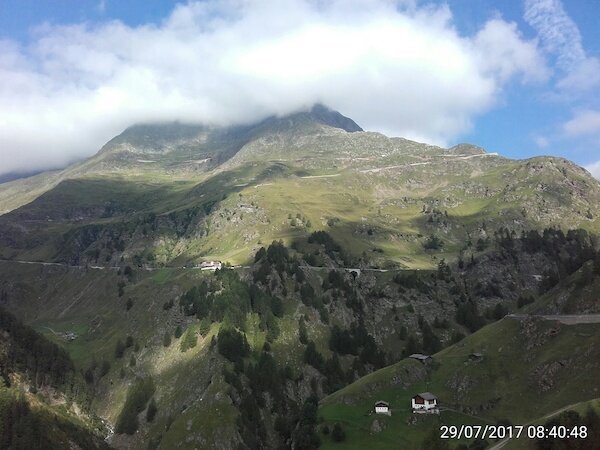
(256, 270)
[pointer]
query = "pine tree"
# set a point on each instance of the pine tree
(151, 412)
(338, 434)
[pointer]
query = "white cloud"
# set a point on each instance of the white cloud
(594, 169)
(401, 70)
(582, 77)
(503, 52)
(557, 31)
(560, 36)
(541, 141)
(583, 123)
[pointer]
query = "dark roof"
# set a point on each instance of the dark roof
(381, 403)
(426, 396)
(419, 356)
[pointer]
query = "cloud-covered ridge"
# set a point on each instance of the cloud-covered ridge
(400, 70)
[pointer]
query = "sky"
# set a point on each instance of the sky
(518, 77)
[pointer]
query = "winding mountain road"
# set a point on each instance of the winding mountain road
(566, 319)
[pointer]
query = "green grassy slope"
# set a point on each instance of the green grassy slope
(374, 194)
(529, 369)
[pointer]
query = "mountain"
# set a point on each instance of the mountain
(370, 191)
(342, 251)
(530, 362)
(43, 401)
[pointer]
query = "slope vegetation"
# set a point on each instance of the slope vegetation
(528, 369)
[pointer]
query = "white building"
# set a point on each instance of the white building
(425, 402)
(382, 407)
(210, 265)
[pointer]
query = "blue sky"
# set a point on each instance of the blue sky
(519, 77)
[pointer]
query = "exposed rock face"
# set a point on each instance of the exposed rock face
(377, 426)
(544, 376)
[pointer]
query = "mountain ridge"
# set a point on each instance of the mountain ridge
(341, 252)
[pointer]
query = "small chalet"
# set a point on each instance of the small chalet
(210, 265)
(425, 402)
(70, 336)
(382, 407)
(421, 357)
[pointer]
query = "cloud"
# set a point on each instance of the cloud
(583, 123)
(594, 169)
(504, 53)
(557, 31)
(582, 77)
(400, 69)
(560, 36)
(541, 141)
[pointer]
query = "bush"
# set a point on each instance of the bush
(499, 311)
(188, 340)
(324, 238)
(468, 315)
(260, 254)
(204, 327)
(151, 412)
(232, 344)
(313, 357)
(433, 243)
(338, 434)
(303, 335)
(119, 349)
(178, 332)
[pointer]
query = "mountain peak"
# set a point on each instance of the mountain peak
(318, 114)
(326, 116)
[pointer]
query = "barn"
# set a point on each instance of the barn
(382, 407)
(425, 402)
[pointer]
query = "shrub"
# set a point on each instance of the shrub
(151, 412)
(204, 326)
(232, 344)
(338, 434)
(178, 332)
(313, 357)
(433, 243)
(188, 340)
(119, 349)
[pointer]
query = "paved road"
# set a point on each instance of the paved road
(571, 319)
(42, 263)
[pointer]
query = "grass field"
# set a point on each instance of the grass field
(511, 382)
